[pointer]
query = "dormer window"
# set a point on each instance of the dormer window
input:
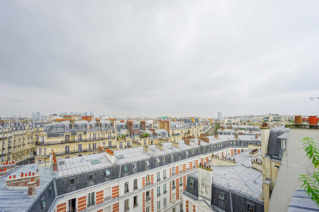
(125, 168)
(158, 161)
(107, 173)
(147, 164)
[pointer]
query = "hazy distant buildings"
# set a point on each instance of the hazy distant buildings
(220, 116)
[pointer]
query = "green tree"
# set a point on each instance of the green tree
(311, 182)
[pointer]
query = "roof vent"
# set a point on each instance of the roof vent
(119, 156)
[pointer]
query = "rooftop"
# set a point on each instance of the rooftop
(16, 199)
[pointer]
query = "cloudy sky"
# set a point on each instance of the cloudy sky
(178, 58)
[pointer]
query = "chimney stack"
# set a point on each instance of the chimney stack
(31, 188)
(129, 125)
(72, 123)
(143, 125)
(216, 135)
(236, 135)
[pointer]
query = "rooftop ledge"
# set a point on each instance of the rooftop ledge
(302, 126)
(205, 168)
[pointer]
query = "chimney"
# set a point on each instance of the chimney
(98, 122)
(298, 120)
(187, 141)
(159, 146)
(205, 180)
(205, 139)
(236, 136)
(145, 148)
(256, 136)
(175, 144)
(265, 133)
(129, 125)
(216, 135)
(113, 121)
(54, 164)
(143, 125)
(109, 154)
(153, 130)
(31, 188)
(72, 123)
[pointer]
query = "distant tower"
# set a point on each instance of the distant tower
(220, 116)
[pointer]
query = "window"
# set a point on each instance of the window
(250, 207)
(71, 181)
(172, 158)
(192, 183)
(51, 191)
(186, 153)
(222, 195)
(125, 168)
(110, 143)
(148, 180)
(158, 191)
(163, 159)
(173, 170)
(135, 203)
(107, 173)
(181, 207)
(148, 209)
(164, 188)
(43, 203)
(158, 205)
(91, 199)
(126, 190)
(108, 193)
(135, 184)
(147, 164)
(158, 176)
(173, 183)
(157, 162)
(164, 202)
(94, 146)
(80, 148)
(148, 198)
(164, 174)
(126, 204)
(134, 167)
(90, 177)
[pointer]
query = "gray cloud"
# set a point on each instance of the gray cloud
(159, 57)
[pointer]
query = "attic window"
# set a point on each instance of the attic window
(125, 168)
(147, 163)
(186, 153)
(107, 172)
(51, 191)
(192, 183)
(90, 177)
(158, 160)
(43, 203)
(95, 162)
(71, 182)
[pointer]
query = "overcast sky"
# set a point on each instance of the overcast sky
(152, 58)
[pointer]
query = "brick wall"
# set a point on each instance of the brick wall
(184, 182)
(152, 199)
(143, 182)
(23, 181)
(143, 201)
(177, 188)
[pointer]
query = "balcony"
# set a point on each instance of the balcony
(181, 184)
(159, 194)
(164, 177)
(135, 188)
(148, 199)
(164, 192)
(127, 209)
(107, 198)
(69, 141)
(135, 205)
(173, 187)
(148, 183)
